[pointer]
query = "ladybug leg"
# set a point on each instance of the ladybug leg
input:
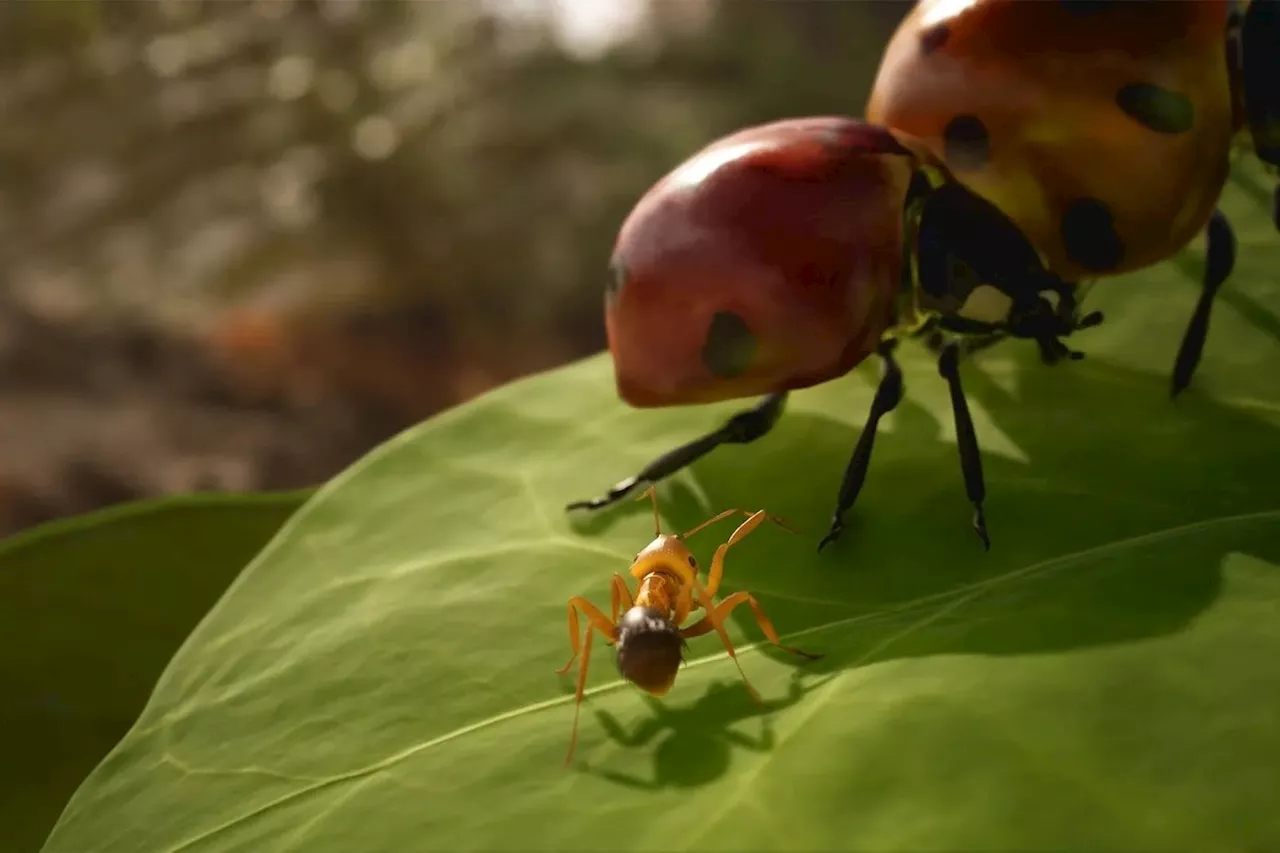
(966, 440)
(888, 395)
(742, 428)
(936, 341)
(1220, 258)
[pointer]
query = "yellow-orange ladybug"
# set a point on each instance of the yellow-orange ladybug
(1102, 128)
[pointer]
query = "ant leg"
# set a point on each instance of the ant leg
(1220, 258)
(717, 562)
(967, 441)
(618, 594)
(724, 608)
(577, 702)
(597, 620)
(744, 427)
(714, 620)
(888, 395)
(685, 605)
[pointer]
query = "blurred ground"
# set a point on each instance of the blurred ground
(243, 242)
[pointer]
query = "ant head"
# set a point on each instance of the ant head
(650, 650)
(669, 554)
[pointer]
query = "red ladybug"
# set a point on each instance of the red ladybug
(783, 255)
(1102, 128)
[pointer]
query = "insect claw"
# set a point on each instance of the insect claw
(980, 527)
(837, 527)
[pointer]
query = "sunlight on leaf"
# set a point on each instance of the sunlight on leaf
(381, 678)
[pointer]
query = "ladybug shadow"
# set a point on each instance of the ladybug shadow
(1252, 310)
(1098, 532)
(696, 742)
(1098, 537)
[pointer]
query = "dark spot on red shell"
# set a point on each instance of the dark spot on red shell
(934, 37)
(1156, 107)
(967, 144)
(1089, 235)
(730, 346)
(692, 562)
(617, 275)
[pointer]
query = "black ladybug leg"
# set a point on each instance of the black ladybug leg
(1220, 257)
(744, 427)
(967, 441)
(937, 341)
(888, 395)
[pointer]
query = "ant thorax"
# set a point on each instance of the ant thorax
(658, 591)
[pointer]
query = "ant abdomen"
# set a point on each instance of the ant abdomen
(650, 649)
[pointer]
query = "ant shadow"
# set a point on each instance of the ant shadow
(1094, 481)
(699, 742)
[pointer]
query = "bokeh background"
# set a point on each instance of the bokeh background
(241, 243)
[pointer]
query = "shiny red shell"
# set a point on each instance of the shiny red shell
(767, 261)
(1102, 128)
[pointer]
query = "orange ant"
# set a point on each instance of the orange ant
(650, 642)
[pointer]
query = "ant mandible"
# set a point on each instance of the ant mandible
(650, 642)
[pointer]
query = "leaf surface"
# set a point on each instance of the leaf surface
(91, 610)
(381, 678)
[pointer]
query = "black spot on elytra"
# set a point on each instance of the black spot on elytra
(967, 143)
(1089, 235)
(934, 37)
(613, 286)
(1156, 107)
(730, 346)
(692, 562)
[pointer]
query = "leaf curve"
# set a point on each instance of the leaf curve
(381, 677)
(91, 609)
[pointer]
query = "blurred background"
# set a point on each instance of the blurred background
(241, 243)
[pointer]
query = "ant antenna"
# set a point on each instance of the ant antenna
(651, 494)
(728, 512)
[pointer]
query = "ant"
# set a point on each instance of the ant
(650, 642)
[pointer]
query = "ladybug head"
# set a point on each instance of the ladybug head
(766, 261)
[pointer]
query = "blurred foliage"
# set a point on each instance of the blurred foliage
(313, 222)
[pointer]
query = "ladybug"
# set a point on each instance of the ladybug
(785, 254)
(1102, 128)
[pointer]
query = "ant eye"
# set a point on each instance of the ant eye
(693, 562)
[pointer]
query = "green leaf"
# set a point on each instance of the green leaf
(381, 677)
(91, 610)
